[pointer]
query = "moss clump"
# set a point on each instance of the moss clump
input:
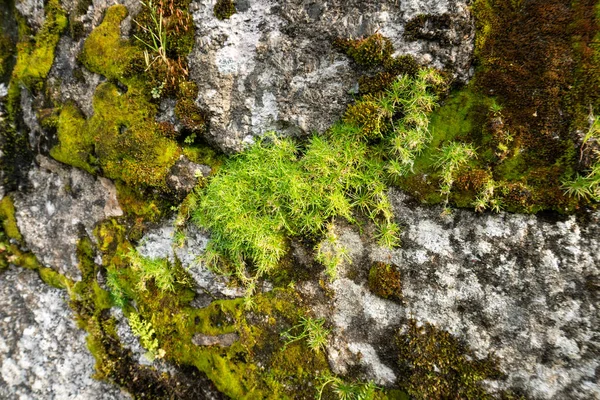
(435, 365)
(224, 9)
(9, 222)
(190, 115)
(271, 191)
(105, 52)
(385, 282)
(371, 51)
(34, 58)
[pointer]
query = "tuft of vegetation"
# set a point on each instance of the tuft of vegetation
(157, 269)
(343, 390)
(331, 253)
(385, 281)
(224, 9)
(312, 330)
(145, 332)
(435, 365)
(452, 157)
(273, 191)
(588, 186)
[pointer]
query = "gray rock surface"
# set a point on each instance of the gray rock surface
(520, 286)
(271, 66)
(60, 205)
(160, 243)
(43, 355)
(224, 340)
(184, 174)
(33, 11)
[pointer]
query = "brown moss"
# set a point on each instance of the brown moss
(371, 51)
(436, 365)
(385, 281)
(224, 9)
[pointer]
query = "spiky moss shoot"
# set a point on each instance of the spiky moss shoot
(34, 58)
(436, 365)
(270, 192)
(224, 9)
(385, 281)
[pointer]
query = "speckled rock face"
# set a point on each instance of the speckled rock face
(43, 355)
(518, 286)
(271, 66)
(162, 243)
(60, 205)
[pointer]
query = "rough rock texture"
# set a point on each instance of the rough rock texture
(43, 355)
(59, 206)
(184, 175)
(160, 243)
(33, 11)
(224, 340)
(520, 286)
(271, 66)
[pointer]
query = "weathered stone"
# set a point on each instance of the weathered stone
(517, 286)
(271, 66)
(160, 243)
(33, 11)
(43, 355)
(60, 205)
(184, 176)
(224, 340)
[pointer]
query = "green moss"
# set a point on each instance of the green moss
(372, 51)
(385, 281)
(9, 222)
(75, 143)
(224, 9)
(54, 279)
(435, 365)
(34, 59)
(104, 51)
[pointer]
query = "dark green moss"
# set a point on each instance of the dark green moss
(371, 51)
(385, 281)
(435, 365)
(224, 9)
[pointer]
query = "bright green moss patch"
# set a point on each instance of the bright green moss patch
(9, 222)
(271, 192)
(34, 58)
(104, 51)
(75, 143)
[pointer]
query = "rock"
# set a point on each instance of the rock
(517, 286)
(184, 176)
(271, 66)
(33, 11)
(43, 355)
(224, 340)
(160, 243)
(60, 205)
